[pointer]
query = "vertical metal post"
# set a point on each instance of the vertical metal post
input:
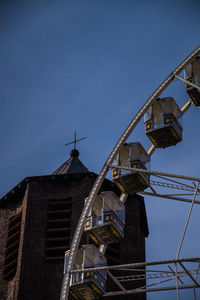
(194, 292)
(177, 286)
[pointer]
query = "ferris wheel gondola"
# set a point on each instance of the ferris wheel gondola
(192, 74)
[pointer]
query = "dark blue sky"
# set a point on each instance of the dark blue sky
(89, 66)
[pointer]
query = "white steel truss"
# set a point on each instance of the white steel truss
(152, 280)
(183, 273)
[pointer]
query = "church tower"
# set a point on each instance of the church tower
(37, 221)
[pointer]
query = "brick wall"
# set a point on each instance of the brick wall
(9, 288)
(42, 278)
(37, 276)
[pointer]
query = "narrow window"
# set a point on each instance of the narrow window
(58, 228)
(12, 246)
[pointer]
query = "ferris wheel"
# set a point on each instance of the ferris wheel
(129, 163)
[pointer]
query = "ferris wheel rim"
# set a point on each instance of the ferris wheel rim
(97, 184)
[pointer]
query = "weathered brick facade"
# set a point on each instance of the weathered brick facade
(39, 262)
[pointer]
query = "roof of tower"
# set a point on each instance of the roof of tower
(72, 165)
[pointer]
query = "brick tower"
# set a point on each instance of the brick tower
(37, 221)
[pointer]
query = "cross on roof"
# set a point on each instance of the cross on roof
(75, 140)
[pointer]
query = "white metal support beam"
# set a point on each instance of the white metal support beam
(189, 274)
(116, 281)
(187, 82)
(187, 221)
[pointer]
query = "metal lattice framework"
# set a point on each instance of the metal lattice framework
(181, 273)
